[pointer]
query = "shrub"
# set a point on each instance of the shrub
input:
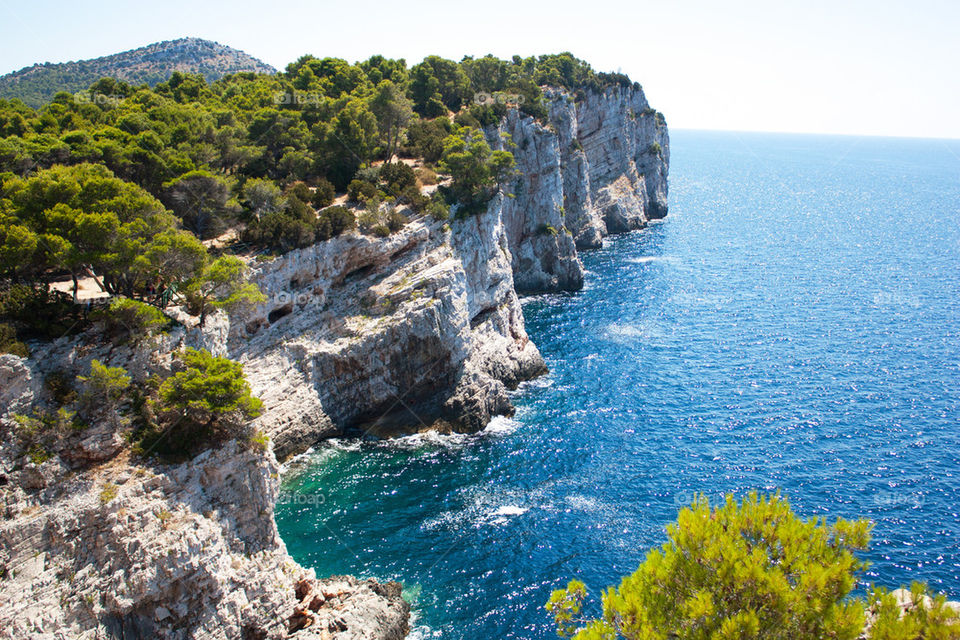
(397, 176)
(131, 320)
(438, 209)
(42, 429)
(482, 115)
(60, 386)
(283, 232)
(324, 194)
(395, 221)
(926, 617)
(360, 190)
(380, 230)
(40, 313)
(752, 570)
(222, 285)
(476, 169)
(340, 219)
(101, 392)
(655, 148)
(368, 174)
(300, 209)
(202, 201)
(412, 196)
(368, 219)
(108, 493)
(38, 454)
(425, 138)
(10, 344)
(208, 400)
(730, 572)
(259, 441)
(300, 191)
(262, 196)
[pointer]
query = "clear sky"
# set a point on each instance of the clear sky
(877, 67)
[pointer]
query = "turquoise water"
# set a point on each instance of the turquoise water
(793, 324)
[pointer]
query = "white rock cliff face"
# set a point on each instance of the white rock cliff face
(423, 329)
(359, 335)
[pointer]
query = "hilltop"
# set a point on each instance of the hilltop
(150, 65)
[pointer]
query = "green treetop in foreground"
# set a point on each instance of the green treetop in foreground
(749, 570)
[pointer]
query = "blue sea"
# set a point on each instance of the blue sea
(791, 326)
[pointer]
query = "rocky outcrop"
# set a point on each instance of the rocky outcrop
(423, 329)
(168, 551)
(598, 166)
(362, 335)
(359, 336)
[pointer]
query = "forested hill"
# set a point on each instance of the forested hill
(125, 183)
(150, 65)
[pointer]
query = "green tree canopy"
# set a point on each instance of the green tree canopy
(82, 218)
(203, 202)
(222, 285)
(393, 111)
(208, 389)
(748, 569)
(474, 167)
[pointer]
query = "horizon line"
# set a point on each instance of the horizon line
(815, 133)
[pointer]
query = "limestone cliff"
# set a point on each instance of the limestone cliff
(359, 335)
(423, 329)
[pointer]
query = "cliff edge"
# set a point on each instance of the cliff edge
(359, 336)
(423, 329)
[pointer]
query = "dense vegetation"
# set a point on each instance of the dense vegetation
(125, 183)
(36, 85)
(205, 399)
(160, 194)
(751, 570)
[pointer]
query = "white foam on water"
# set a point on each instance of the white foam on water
(482, 507)
(426, 439)
(341, 444)
(582, 503)
(620, 330)
(647, 332)
(501, 426)
(419, 630)
(647, 259)
(298, 460)
(706, 300)
(503, 514)
(541, 382)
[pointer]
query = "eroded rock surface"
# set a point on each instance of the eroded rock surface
(359, 335)
(423, 329)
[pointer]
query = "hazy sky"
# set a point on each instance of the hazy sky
(874, 67)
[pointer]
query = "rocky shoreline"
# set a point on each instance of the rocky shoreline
(359, 335)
